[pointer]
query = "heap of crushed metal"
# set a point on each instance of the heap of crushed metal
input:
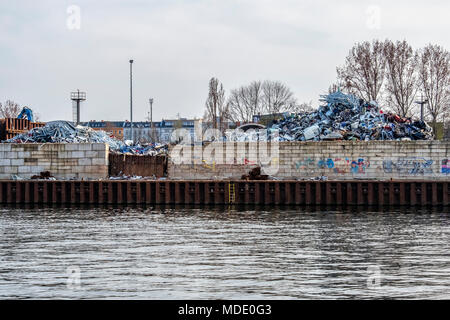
(342, 117)
(65, 132)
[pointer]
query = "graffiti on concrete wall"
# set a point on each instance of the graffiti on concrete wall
(360, 166)
(334, 165)
(305, 164)
(413, 166)
(445, 166)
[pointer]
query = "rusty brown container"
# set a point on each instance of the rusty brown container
(137, 165)
(11, 127)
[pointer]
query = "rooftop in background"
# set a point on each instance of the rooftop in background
(185, 123)
(114, 127)
(102, 124)
(170, 123)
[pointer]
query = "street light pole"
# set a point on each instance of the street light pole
(151, 119)
(131, 100)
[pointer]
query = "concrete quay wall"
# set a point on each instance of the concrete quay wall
(63, 160)
(343, 160)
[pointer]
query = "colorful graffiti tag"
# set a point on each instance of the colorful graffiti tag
(305, 164)
(336, 165)
(359, 166)
(445, 166)
(413, 166)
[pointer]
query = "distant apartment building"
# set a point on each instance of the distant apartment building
(162, 130)
(114, 127)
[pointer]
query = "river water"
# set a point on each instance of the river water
(223, 253)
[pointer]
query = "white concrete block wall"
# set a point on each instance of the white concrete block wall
(347, 160)
(63, 160)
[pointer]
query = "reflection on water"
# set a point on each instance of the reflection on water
(222, 253)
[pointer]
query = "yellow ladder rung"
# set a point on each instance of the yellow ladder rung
(231, 192)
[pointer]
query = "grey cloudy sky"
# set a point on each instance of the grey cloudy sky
(179, 45)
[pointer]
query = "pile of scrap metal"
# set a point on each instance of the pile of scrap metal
(152, 149)
(342, 117)
(65, 132)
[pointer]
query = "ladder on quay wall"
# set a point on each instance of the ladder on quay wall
(231, 192)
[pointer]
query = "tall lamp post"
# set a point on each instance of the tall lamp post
(151, 119)
(131, 100)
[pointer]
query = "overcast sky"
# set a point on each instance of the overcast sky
(178, 46)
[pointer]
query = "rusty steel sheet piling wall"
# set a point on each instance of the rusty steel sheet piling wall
(200, 192)
(335, 160)
(63, 160)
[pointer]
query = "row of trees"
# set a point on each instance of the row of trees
(396, 75)
(258, 97)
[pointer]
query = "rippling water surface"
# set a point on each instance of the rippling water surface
(222, 253)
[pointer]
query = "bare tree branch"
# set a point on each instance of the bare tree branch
(277, 97)
(434, 77)
(10, 109)
(364, 69)
(216, 108)
(260, 98)
(402, 79)
(246, 101)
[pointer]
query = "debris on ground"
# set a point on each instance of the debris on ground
(65, 132)
(342, 117)
(17, 177)
(320, 178)
(125, 177)
(254, 174)
(44, 175)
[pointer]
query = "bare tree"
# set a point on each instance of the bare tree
(10, 109)
(277, 97)
(216, 108)
(434, 77)
(402, 78)
(259, 98)
(364, 69)
(239, 105)
(245, 102)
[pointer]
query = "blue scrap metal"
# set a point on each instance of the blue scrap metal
(345, 117)
(26, 112)
(66, 132)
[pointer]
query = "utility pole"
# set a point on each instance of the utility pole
(151, 119)
(131, 100)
